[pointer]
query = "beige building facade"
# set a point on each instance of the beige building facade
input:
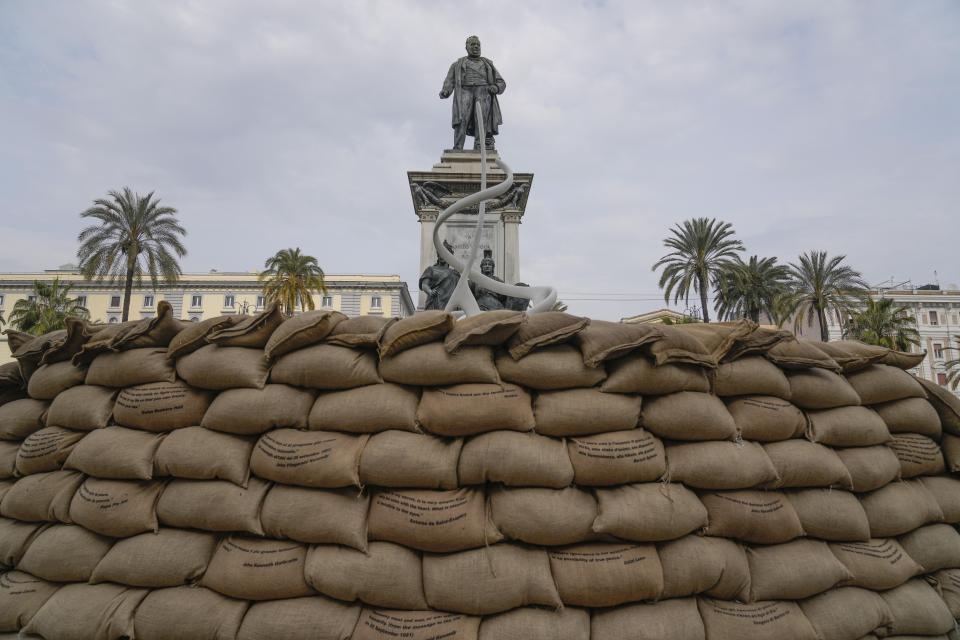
(198, 296)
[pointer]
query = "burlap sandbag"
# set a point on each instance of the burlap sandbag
(679, 346)
(757, 621)
(847, 427)
(543, 329)
(410, 460)
(934, 547)
(946, 491)
(8, 459)
(877, 564)
(529, 623)
(5, 485)
(431, 365)
(436, 521)
(42, 497)
(118, 508)
(489, 580)
(556, 367)
(21, 596)
(84, 407)
(128, 368)
(820, 389)
(616, 457)
(847, 613)
(760, 517)
(51, 379)
(900, 507)
(637, 374)
(188, 612)
(676, 619)
(20, 418)
(793, 571)
(412, 331)
(197, 453)
(46, 449)
(257, 569)
(87, 612)
(324, 459)
(723, 340)
(492, 328)
(213, 505)
(720, 465)
(581, 412)
(853, 355)
(387, 575)
(766, 419)
(883, 383)
(905, 360)
(216, 368)
(361, 332)
(161, 406)
(15, 537)
(251, 331)
(948, 586)
(331, 516)
(753, 375)
(326, 366)
(870, 467)
(64, 553)
(601, 340)
(78, 333)
(544, 516)
(468, 409)
(910, 415)
(168, 558)
(688, 415)
(194, 335)
(310, 618)
(149, 332)
(253, 411)
(606, 574)
(800, 463)
(310, 327)
(917, 609)
(516, 460)
(918, 455)
(945, 403)
(369, 409)
(830, 514)
(116, 452)
(384, 624)
(649, 512)
(700, 564)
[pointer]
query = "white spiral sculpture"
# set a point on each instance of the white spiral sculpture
(541, 298)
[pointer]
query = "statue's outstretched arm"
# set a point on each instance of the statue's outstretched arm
(448, 82)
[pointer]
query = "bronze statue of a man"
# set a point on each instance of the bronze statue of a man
(438, 281)
(473, 78)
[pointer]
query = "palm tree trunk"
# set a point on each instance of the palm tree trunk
(704, 283)
(127, 292)
(822, 318)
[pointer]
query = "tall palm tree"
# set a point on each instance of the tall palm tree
(952, 366)
(749, 289)
(884, 323)
(701, 247)
(290, 279)
(820, 285)
(135, 236)
(47, 309)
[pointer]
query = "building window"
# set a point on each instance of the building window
(941, 379)
(228, 302)
(31, 298)
(196, 301)
(147, 301)
(194, 319)
(934, 320)
(375, 303)
(1, 299)
(114, 301)
(81, 300)
(327, 301)
(113, 320)
(937, 350)
(261, 302)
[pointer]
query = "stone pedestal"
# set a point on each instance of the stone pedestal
(457, 175)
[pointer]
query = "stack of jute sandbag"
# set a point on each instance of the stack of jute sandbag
(500, 477)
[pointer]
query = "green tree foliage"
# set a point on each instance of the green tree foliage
(749, 289)
(884, 323)
(47, 309)
(952, 366)
(134, 236)
(291, 278)
(701, 247)
(820, 285)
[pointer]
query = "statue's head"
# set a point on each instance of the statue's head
(473, 46)
(487, 265)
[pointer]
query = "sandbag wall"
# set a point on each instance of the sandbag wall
(501, 477)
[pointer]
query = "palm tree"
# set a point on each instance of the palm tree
(952, 366)
(820, 285)
(883, 323)
(291, 278)
(749, 289)
(47, 309)
(135, 236)
(2, 319)
(701, 247)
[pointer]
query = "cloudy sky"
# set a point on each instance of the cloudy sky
(809, 125)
